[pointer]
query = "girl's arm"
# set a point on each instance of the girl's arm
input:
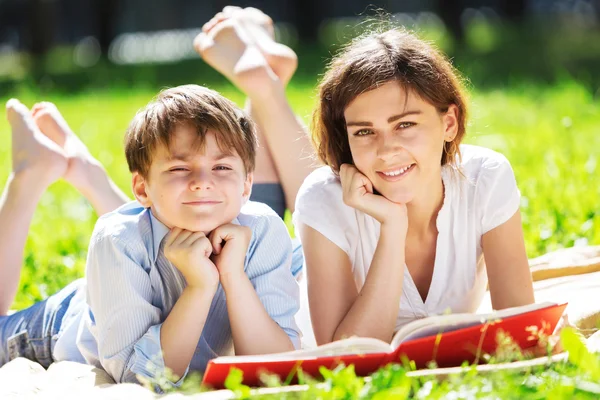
(337, 308)
(507, 265)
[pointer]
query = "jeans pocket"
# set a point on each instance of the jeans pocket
(19, 345)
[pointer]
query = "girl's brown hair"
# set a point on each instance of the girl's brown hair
(370, 61)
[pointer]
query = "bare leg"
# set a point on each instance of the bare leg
(239, 44)
(36, 163)
(84, 172)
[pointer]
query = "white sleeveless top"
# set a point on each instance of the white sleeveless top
(482, 196)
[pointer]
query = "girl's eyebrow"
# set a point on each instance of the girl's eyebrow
(390, 119)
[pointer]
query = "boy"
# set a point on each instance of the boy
(191, 269)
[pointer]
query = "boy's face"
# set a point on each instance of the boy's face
(191, 187)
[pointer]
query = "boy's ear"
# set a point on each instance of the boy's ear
(450, 120)
(138, 184)
(248, 186)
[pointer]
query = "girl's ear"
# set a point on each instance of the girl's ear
(450, 121)
(248, 186)
(139, 186)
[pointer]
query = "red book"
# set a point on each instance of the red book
(449, 340)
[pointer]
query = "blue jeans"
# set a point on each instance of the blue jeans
(272, 195)
(32, 333)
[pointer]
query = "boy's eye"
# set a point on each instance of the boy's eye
(404, 125)
(222, 168)
(363, 132)
(178, 169)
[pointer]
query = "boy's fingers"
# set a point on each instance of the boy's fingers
(183, 235)
(171, 236)
(216, 237)
(204, 244)
(192, 238)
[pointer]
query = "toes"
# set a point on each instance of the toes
(231, 10)
(201, 42)
(220, 17)
(258, 14)
(36, 108)
(16, 112)
(42, 108)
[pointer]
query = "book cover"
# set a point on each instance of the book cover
(447, 340)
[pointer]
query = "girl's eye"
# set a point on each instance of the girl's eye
(363, 132)
(222, 168)
(404, 125)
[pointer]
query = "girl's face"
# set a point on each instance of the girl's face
(397, 138)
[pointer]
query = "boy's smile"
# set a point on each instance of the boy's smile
(192, 185)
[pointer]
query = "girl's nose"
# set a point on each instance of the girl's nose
(388, 147)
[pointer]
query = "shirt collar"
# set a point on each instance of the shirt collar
(159, 231)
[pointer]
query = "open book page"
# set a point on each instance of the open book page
(353, 345)
(447, 323)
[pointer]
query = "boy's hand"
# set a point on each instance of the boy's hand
(230, 244)
(190, 252)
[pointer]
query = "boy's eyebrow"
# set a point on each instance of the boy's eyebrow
(187, 156)
(179, 157)
(223, 156)
(390, 119)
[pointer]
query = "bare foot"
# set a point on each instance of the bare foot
(259, 26)
(282, 60)
(82, 166)
(228, 48)
(32, 151)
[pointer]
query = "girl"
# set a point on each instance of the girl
(403, 221)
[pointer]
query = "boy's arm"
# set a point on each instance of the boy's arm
(128, 325)
(252, 328)
(262, 301)
(180, 333)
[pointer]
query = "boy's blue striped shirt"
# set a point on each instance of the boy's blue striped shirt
(132, 287)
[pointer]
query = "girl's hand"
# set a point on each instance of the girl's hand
(358, 193)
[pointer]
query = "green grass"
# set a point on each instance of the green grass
(548, 133)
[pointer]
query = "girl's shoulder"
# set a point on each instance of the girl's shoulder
(321, 184)
(478, 163)
(488, 189)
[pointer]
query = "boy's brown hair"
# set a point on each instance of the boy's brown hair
(371, 61)
(189, 104)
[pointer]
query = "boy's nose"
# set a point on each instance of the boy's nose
(200, 181)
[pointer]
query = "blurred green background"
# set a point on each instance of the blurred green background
(535, 97)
